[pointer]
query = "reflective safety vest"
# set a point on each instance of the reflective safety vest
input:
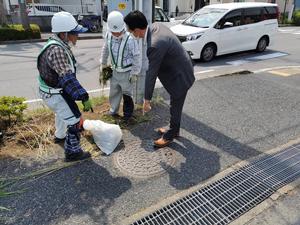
(43, 86)
(117, 63)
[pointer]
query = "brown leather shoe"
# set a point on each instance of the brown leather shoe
(161, 142)
(163, 130)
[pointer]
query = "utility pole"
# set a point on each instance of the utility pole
(23, 14)
(283, 16)
(3, 18)
(147, 8)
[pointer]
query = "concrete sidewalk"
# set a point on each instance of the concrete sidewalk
(226, 120)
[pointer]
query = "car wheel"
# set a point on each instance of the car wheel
(208, 53)
(262, 44)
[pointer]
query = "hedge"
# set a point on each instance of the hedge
(17, 32)
(296, 18)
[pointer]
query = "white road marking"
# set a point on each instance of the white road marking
(105, 89)
(40, 100)
(33, 100)
(286, 30)
(268, 56)
(237, 62)
(204, 71)
(274, 68)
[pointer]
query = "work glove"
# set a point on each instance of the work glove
(105, 74)
(133, 78)
(87, 105)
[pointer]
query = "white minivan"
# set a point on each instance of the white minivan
(227, 28)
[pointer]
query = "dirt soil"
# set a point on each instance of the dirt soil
(34, 138)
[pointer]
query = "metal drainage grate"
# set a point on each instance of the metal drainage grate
(228, 198)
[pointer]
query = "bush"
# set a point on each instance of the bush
(296, 18)
(11, 109)
(17, 32)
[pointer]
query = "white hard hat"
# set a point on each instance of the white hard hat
(65, 22)
(115, 21)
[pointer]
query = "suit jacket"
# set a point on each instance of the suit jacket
(168, 61)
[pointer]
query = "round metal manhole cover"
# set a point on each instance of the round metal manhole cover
(140, 159)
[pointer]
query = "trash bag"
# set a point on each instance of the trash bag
(106, 136)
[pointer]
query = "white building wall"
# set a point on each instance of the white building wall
(74, 6)
(183, 6)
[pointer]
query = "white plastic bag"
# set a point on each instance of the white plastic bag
(106, 136)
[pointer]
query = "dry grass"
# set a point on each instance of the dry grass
(34, 137)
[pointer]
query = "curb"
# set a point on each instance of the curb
(46, 39)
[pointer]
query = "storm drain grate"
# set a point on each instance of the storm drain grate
(228, 198)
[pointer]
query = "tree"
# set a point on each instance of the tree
(3, 18)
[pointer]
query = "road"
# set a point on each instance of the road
(18, 62)
(225, 120)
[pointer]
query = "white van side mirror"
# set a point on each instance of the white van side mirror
(228, 24)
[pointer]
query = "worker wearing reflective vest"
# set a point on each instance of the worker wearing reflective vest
(59, 87)
(123, 51)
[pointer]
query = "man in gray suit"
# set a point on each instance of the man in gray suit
(168, 61)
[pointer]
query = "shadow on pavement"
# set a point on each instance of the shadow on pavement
(197, 167)
(85, 191)
(200, 163)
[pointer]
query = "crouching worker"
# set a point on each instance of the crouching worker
(123, 51)
(59, 87)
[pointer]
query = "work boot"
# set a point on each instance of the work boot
(161, 142)
(163, 130)
(77, 156)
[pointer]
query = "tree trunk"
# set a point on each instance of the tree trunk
(3, 18)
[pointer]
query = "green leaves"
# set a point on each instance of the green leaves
(17, 32)
(296, 18)
(11, 108)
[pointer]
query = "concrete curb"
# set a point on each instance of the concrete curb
(243, 219)
(45, 39)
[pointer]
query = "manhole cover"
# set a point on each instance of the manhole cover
(140, 159)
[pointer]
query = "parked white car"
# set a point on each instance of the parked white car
(227, 28)
(161, 17)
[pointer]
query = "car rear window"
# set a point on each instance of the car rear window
(270, 12)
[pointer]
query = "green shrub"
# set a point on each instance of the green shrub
(11, 109)
(17, 32)
(296, 18)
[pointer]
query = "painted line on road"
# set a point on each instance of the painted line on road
(275, 68)
(268, 56)
(33, 100)
(105, 89)
(40, 100)
(285, 30)
(256, 58)
(237, 62)
(204, 71)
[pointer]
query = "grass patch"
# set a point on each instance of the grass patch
(33, 137)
